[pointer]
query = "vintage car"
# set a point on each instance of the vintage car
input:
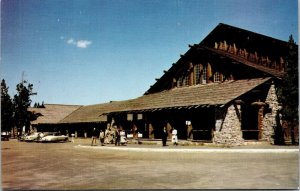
(33, 137)
(22, 137)
(5, 136)
(54, 137)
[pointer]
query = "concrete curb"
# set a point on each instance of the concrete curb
(186, 150)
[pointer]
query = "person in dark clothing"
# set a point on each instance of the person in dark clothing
(117, 137)
(94, 136)
(164, 137)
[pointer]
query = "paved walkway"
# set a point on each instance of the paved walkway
(255, 148)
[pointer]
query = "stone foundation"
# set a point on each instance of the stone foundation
(228, 126)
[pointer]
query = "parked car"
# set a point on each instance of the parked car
(5, 136)
(22, 137)
(33, 137)
(54, 137)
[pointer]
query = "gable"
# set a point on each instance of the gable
(228, 53)
(244, 39)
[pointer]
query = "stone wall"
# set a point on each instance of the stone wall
(269, 120)
(228, 126)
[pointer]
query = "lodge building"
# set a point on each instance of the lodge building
(222, 90)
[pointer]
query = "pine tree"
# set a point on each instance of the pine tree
(288, 91)
(7, 121)
(21, 103)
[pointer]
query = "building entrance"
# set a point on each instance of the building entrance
(250, 122)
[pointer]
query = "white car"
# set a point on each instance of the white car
(34, 136)
(54, 137)
(5, 136)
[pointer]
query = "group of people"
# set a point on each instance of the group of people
(121, 135)
(95, 135)
(165, 136)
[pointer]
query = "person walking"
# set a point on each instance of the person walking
(117, 137)
(72, 140)
(164, 137)
(174, 137)
(94, 136)
(101, 136)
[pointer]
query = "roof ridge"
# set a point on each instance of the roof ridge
(60, 104)
(248, 31)
(107, 103)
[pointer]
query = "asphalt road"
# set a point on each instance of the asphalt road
(79, 166)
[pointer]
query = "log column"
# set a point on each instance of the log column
(169, 130)
(151, 131)
(260, 122)
(191, 74)
(260, 117)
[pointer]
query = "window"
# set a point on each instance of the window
(217, 77)
(185, 80)
(197, 71)
(179, 82)
(188, 122)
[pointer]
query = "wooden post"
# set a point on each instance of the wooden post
(260, 122)
(134, 130)
(260, 116)
(225, 45)
(234, 49)
(151, 131)
(216, 45)
(169, 128)
(209, 73)
(191, 74)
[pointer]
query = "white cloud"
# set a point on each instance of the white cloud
(79, 43)
(83, 43)
(71, 41)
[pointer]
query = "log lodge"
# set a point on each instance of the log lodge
(222, 90)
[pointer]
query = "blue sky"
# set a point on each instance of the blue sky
(94, 51)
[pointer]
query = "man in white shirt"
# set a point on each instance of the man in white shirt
(174, 137)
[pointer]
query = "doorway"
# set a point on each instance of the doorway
(250, 122)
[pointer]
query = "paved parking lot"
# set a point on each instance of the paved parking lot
(79, 166)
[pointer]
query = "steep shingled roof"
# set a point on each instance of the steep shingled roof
(95, 113)
(210, 94)
(243, 39)
(52, 113)
(263, 45)
(192, 96)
